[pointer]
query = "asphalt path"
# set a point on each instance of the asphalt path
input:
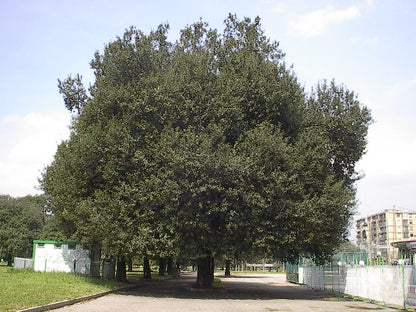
(266, 293)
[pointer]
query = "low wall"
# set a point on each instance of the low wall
(395, 285)
(22, 263)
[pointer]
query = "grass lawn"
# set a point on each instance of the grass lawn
(217, 283)
(237, 273)
(136, 274)
(20, 289)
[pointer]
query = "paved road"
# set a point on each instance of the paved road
(264, 293)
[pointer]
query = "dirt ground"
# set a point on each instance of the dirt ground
(266, 292)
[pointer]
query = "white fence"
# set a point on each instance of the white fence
(22, 263)
(394, 285)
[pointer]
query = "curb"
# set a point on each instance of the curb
(61, 304)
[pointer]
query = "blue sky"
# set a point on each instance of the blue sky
(369, 46)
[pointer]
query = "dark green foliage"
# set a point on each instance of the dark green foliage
(53, 230)
(206, 147)
(21, 222)
(74, 93)
(342, 122)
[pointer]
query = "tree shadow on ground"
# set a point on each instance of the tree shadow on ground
(234, 288)
(243, 276)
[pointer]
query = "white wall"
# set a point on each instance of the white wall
(49, 257)
(395, 285)
(22, 263)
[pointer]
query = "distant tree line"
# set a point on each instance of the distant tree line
(23, 220)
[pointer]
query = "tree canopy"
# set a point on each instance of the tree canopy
(205, 147)
(21, 221)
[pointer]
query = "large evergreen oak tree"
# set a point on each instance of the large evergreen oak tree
(206, 147)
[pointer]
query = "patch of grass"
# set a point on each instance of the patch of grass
(217, 283)
(21, 289)
(249, 272)
(261, 272)
(134, 275)
(139, 275)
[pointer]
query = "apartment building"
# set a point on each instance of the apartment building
(376, 233)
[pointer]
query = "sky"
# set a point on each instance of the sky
(369, 46)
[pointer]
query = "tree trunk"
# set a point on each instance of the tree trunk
(162, 266)
(205, 275)
(146, 268)
(121, 269)
(130, 265)
(227, 267)
(109, 270)
(95, 261)
(10, 260)
(169, 268)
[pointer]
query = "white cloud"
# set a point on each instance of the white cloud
(370, 3)
(391, 148)
(318, 22)
(403, 86)
(278, 10)
(389, 167)
(377, 193)
(28, 145)
(369, 40)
